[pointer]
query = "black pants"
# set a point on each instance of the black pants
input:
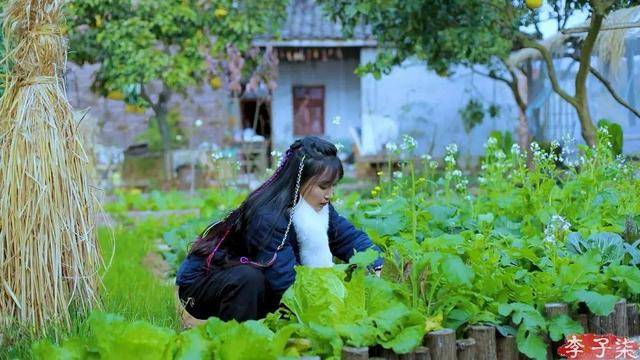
(238, 292)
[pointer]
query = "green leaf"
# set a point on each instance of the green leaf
(457, 272)
(524, 314)
(601, 305)
(193, 344)
(248, 340)
(629, 275)
(364, 258)
(456, 318)
(562, 326)
(486, 218)
(408, 339)
(115, 338)
(71, 349)
(531, 344)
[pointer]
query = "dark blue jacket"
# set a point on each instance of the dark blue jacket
(344, 240)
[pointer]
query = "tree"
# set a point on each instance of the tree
(152, 50)
(448, 33)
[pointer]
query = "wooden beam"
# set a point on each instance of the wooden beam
(584, 29)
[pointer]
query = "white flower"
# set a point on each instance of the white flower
(391, 147)
(408, 143)
(452, 148)
(499, 154)
(336, 120)
(179, 137)
(457, 173)
(426, 157)
(198, 123)
(397, 174)
(490, 142)
(433, 164)
(557, 223)
(534, 146)
(515, 149)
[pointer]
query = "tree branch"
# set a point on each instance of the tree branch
(516, 91)
(546, 55)
(585, 55)
(491, 76)
(539, 33)
(147, 98)
(612, 91)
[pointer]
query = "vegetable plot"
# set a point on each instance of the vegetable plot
(506, 252)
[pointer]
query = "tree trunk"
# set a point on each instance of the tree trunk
(519, 88)
(580, 100)
(581, 97)
(161, 111)
(588, 130)
(163, 127)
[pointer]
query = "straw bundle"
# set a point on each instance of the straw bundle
(610, 45)
(48, 250)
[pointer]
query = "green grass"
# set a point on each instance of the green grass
(129, 288)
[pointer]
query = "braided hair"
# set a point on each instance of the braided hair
(320, 160)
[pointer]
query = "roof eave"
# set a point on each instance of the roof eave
(316, 43)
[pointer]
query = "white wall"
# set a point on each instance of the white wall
(342, 97)
(426, 105)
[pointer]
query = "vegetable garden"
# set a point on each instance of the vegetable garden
(503, 261)
(520, 255)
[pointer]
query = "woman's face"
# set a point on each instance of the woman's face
(318, 194)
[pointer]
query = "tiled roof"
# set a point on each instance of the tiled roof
(306, 25)
(306, 20)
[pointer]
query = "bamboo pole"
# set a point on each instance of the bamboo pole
(584, 29)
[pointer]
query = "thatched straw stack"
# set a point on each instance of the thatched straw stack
(610, 45)
(49, 257)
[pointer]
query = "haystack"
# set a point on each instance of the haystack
(49, 256)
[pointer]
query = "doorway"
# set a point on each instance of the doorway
(256, 115)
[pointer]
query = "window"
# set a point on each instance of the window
(308, 110)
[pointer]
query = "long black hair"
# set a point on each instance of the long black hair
(320, 161)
